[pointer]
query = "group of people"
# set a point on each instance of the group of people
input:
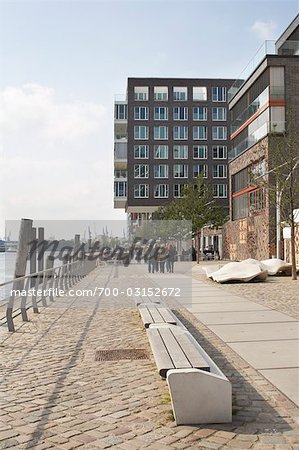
(160, 258)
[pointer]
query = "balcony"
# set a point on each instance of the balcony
(270, 93)
(267, 128)
(120, 202)
(120, 151)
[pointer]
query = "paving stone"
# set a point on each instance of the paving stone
(8, 443)
(71, 401)
(7, 434)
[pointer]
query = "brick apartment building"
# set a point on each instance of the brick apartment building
(168, 131)
(259, 109)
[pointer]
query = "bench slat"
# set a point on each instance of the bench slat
(146, 316)
(178, 357)
(151, 313)
(156, 315)
(167, 316)
(191, 352)
(161, 355)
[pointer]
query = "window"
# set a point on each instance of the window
(140, 132)
(141, 151)
(161, 171)
(161, 191)
(140, 113)
(240, 180)
(200, 152)
(180, 133)
(219, 113)
(219, 133)
(199, 93)
(140, 171)
(258, 171)
(161, 93)
(120, 173)
(249, 203)
(180, 171)
(178, 190)
(161, 151)
(199, 113)
(200, 132)
(218, 94)
(180, 113)
(160, 132)
(180, 152)
(256, 201)
(219, 171)
(240, 206)
(141, 93)
(121, 111)
(200, 169)
(220, 190)
(180, 93)
(120, 188)
(140, 190)
(219, 151)
(161, 113)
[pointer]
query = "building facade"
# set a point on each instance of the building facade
(259, 109)
(167, 132)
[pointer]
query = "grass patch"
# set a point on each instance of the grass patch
(165, 398)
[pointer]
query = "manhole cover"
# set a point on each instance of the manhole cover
(119, 354)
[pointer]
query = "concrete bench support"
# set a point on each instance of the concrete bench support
(200, 392)
(198, 397)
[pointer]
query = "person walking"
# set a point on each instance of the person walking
(171, 257)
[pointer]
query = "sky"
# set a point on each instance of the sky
(62, 63)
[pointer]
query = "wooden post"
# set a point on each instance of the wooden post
(40, 253)
(33, 254)
(20, 267)
(22, 251)
(50, 276)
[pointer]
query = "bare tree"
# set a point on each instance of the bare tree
(280, 179)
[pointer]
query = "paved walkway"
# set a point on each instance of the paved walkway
(267, 339)
(54, 393)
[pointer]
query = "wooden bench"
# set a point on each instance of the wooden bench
(199, 391)
(154, 313)
(172, 349)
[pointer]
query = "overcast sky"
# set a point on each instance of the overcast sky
(62, 62)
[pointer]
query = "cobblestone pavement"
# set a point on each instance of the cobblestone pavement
(54, 394)
(279, 292)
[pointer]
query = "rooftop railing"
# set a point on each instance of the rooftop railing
(267, 48)
(288, 48)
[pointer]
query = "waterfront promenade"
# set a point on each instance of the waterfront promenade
(56, 393)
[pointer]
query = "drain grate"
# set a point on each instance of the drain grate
(119, 354)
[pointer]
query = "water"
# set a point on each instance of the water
(7, 270)
(7, 266)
